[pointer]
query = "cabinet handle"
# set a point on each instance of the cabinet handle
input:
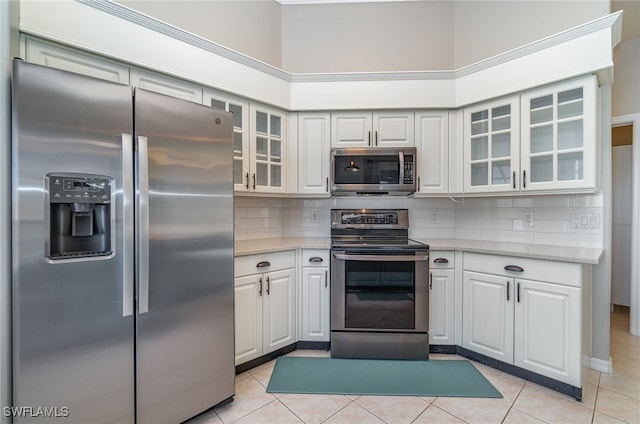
(441, 261)
(316, 259)
(508, 290)
(327, 184)
(518, 293)
(254, 181)
(514, 180)
(513, 268)
(263, 264)
(260, 289)
(268, 286)
(430, 280)
(418, 183)
(247, 181)
(369, 138)
(376, 138)
(326, 278)
(524, 178)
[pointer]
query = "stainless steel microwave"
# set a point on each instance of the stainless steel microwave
(373, 171)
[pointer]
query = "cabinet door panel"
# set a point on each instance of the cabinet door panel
(279, 309)
(492, 146)
(166, 85)
(240, 110)
(432, 134)
(248, 318)
(268, 149)
(74, 61)
(441, 307)
(393, 129)
(548, 330)
(314, 153)
(315, 304)
(559, 126)
(351, 129)
(488, 315)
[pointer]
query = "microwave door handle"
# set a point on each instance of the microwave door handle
(381, 258)
(401, 159)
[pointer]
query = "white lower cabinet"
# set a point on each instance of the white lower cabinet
(524, 312)
(315, 309)
(441, 298)
(264, 304)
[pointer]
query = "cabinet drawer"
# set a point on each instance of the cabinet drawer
(309, 254)
(565, 273)
(442, 259)
(247, 265)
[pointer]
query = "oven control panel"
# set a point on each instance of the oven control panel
(341, 218)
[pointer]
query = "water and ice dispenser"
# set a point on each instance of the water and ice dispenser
(80, 216)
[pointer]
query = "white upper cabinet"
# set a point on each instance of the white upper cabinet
(314, 153)
(267, 149)
(240, 110)
(166, 85)
(372, 129)
(559, 131)
(432, 144)
(74, 61)
(543, 140)
(491, 146)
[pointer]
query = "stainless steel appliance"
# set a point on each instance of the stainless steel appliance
(122, 252)
(373, 171)
(379, 286)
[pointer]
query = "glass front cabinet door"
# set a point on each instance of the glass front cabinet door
(559, 132)
(240, 111)
(268, 149)
(491, 146)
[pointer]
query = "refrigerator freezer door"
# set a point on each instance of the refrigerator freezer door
(184, 353)
(73, 349)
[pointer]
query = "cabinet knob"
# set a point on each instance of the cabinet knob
(263, 264)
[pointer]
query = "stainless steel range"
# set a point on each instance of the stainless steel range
(379, 286)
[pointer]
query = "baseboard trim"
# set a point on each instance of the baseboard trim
(602, 365)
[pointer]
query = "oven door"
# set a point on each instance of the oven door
(380, 291)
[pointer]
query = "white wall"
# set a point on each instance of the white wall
(362, 37)
(249, 27)
(486, 28)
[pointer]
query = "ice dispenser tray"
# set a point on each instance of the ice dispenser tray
(80, 218)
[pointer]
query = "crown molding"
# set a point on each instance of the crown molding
(149, 22)
(613, 21)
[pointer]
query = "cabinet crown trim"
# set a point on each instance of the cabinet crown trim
(613, 21)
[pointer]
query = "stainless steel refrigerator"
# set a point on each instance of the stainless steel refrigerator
(122, 252)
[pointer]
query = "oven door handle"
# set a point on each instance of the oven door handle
(382, 258)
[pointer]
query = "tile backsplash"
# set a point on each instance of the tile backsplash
(570, 220)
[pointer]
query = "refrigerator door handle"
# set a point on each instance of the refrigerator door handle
(127, 225)
(143, 226)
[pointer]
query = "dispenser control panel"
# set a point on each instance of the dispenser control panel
(79, 189)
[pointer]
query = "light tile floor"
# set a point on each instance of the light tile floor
(607, 398)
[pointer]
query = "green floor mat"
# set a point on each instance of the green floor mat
(451, 378)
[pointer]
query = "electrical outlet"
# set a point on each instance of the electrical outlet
(528, 219)
(435, 217)
(314, 216)
(584, 220)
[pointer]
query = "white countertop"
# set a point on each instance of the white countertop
(584, 255)
(250, 247)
